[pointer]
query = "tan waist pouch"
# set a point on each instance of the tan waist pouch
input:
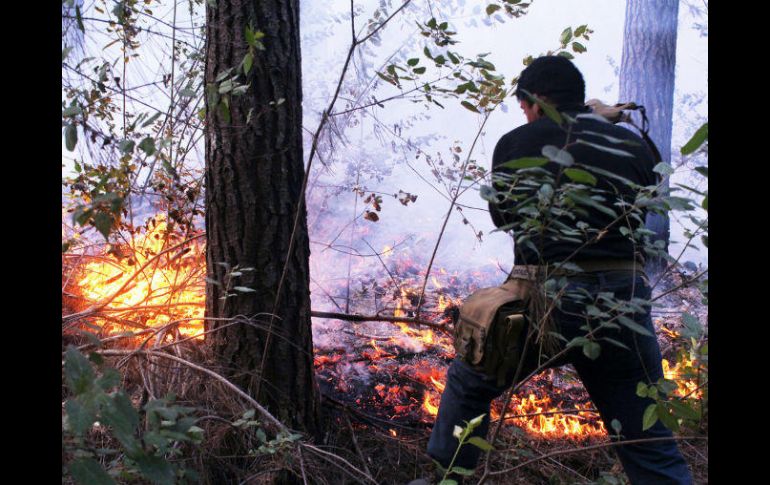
(489, 332)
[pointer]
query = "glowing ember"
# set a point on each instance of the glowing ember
(169, 288)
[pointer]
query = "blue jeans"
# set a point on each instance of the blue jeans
(610, 380)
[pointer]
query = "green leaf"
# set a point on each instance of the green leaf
(580, 30)
(549, 110)
(71, 111)
(79, 17)
(480, 442)
(222, 75)
(251, 40)
(631, 324)
(151, 119)
(475, 422)
(226, 86)
(244, 289)
(413, 61)
(469, 106)
(488, 193)
(663, 168)
(103, 223)
(157, 469)
(526, 162)
(650, 417)
(147, 145)
(447, 481)
(584, 200)
(224, 110)
(566, 36)
(578, 47)
(566, 54)
(697, 140)
(78, 372)
(492, 8)
(70, 136)
(248, 61)
(123, 418)
(591, 350)
(693, 327)
(703, 171)
(641, 389)
(461, 471)
(419, 70)
(616, 343)
(668, 419)
(109, 379)
(240, 90)
(683, 410)
(603, 148)
(616, 426)
(386, 78)
(678, 203)
(86, 471)
(562, 157)
(580, 176)
(80, 417)
(127, 146)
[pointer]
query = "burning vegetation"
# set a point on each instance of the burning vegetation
(389, 371)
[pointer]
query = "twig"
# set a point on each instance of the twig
(324, 454)
(378, 318)
(302, 465)
(682, 285)
(355, 445)
(548, 413)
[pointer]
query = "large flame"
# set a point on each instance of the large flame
(148, 290)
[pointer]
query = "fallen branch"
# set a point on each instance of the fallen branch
(379, 318)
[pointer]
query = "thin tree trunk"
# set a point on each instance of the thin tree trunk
(254, 172)
(647, 78)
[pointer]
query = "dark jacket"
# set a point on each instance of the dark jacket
(528, 141)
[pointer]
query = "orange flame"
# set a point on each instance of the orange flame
(169, 289)
(681, 373)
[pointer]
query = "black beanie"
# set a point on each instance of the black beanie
(554, 77)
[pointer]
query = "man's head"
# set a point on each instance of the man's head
(553, 79)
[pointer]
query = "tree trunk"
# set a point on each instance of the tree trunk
(254, 174)
(647, 78)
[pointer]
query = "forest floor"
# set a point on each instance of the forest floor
(360, 446)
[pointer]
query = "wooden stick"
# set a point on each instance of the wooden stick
(379, 318)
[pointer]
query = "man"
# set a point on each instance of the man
(611, 261)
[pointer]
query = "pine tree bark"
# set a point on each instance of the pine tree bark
(254, 174)
(647, 78)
